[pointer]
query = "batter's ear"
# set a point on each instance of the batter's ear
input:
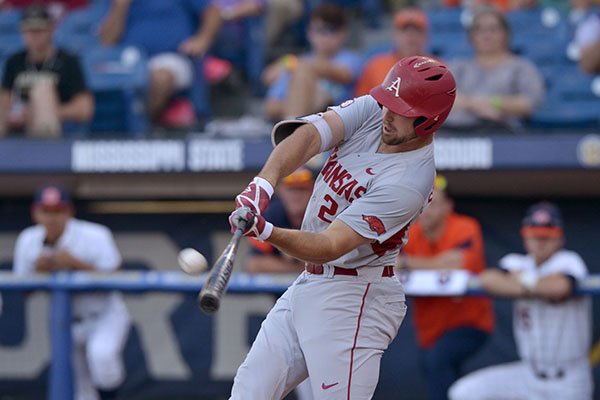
(285, 128)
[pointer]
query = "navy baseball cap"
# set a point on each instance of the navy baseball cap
(542, 220)
(52, 197)
(36, 17)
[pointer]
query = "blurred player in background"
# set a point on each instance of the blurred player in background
(101, 322)
(286, 211)
(552, 326)
(42, 86)
(449, 329)
(411, 28)
(336, 320)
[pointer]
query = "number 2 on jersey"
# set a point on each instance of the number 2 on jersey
(330, 209)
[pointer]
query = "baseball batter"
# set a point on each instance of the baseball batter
(552, 327)
(100, 320)
(334, 323)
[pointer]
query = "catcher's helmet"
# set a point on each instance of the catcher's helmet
(419, 87)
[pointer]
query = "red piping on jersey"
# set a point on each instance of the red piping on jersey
(362, 305)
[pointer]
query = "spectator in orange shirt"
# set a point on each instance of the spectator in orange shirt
(449, 329)
(410, 39)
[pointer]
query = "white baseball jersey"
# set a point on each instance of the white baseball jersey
(101, 321)
(377, 195)
(86, 241)
(551, 334)
(552, 340)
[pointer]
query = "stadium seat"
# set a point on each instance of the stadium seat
(10, 44)
(78, 30)
(199, 93)
(9, 23)
(573, 85)
(118, 78)
(450, 45)
(543, 48)
(565, 115)
(371, 11)
(540, 19)
(245, 47)
(572, 99)
(443, 20)
(255, 49)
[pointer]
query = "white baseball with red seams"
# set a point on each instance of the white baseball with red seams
(378, 196)
(192, 262)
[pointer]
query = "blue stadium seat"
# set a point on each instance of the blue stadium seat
(543, 48)
(540, 19)
(199, 93)
(10, 44)
(118, 78)
(571, 100)
(9, 23)
(371, 11)
(450, 45)
(565, 115)
(78, 30)
(246, 49)
(443, 20)
(573, 85)
(10, 32)
(255, 49)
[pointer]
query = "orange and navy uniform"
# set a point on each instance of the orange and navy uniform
(433, 316)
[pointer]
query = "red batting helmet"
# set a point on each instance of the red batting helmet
(418, 87)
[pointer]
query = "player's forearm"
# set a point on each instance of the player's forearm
(78, 265)
(312, 247)
(501, 284)
(291, 153)
(113, 25)
(554, 288)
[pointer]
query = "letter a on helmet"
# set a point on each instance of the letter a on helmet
(418, 87)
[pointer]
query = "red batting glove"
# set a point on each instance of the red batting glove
(258, 227)
(256, 196)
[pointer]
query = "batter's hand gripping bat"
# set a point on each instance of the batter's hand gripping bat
(209, 298)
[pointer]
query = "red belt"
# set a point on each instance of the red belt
(388, 270)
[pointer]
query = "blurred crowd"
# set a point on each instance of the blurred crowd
(87, 68)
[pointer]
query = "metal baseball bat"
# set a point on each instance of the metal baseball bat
(209, 298)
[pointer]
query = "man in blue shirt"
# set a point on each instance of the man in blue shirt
(169, 32)
(325, 76)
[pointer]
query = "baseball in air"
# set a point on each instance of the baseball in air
(192, 262)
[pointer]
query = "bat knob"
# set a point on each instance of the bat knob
(209, 303)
